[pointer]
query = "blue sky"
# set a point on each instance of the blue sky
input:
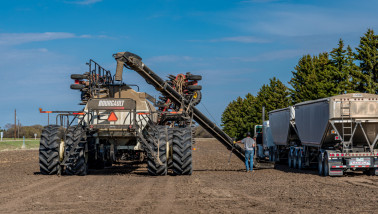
(235, 45)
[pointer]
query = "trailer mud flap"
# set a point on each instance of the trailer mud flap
(336, 172)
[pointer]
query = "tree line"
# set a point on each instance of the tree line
(342, 70)
(27, 131)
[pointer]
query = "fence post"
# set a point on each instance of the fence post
(23, 144)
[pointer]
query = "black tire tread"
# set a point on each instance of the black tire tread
(194, 77)
(182, 152)
(197, 100)
(78, 76)
(77, 86)
(195, 87)
(157, 139)
(76, 164)
(49, 150)
(320, 165)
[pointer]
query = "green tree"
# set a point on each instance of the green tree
(356, 77)
(341, 73)
(232, 118)
(241, 115)
(250, 112)
(315, 77)
(273, 96)
(367, 55)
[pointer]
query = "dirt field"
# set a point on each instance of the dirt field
(214, 187)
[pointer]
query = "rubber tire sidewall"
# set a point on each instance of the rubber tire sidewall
(320, 165)
(325, 165)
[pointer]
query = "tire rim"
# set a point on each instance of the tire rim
(195, 95)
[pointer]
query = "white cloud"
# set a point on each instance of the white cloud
(10, 39)
(83, 2)
(241, 39)
(21, 38)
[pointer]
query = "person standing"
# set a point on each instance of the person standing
(249, 145)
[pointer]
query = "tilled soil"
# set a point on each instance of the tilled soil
(214, 187)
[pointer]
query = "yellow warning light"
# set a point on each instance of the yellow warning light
(194, 149)
(333, 131)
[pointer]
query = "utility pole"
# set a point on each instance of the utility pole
(18, 129)
(15, 124)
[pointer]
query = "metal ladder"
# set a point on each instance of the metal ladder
(347, 126)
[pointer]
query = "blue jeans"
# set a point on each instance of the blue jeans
(249, 156)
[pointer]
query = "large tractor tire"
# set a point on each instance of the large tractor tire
(170, 132)
(157, 166)
(78, 159)
(51, 139)
(182, 151)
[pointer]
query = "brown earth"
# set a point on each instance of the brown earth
(214, 187)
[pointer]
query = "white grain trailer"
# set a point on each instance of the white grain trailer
(337, 133)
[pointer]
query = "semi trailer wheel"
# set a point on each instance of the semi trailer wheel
(51, 138)
(158, 141)
(325, 165)
(320, 164)
(372, 171)
(77, 162)
(300, 159)
(289, 159)
(295, 159)
(182, 151)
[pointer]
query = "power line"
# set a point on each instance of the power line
(210, 115)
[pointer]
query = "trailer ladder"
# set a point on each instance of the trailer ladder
(346, 126)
